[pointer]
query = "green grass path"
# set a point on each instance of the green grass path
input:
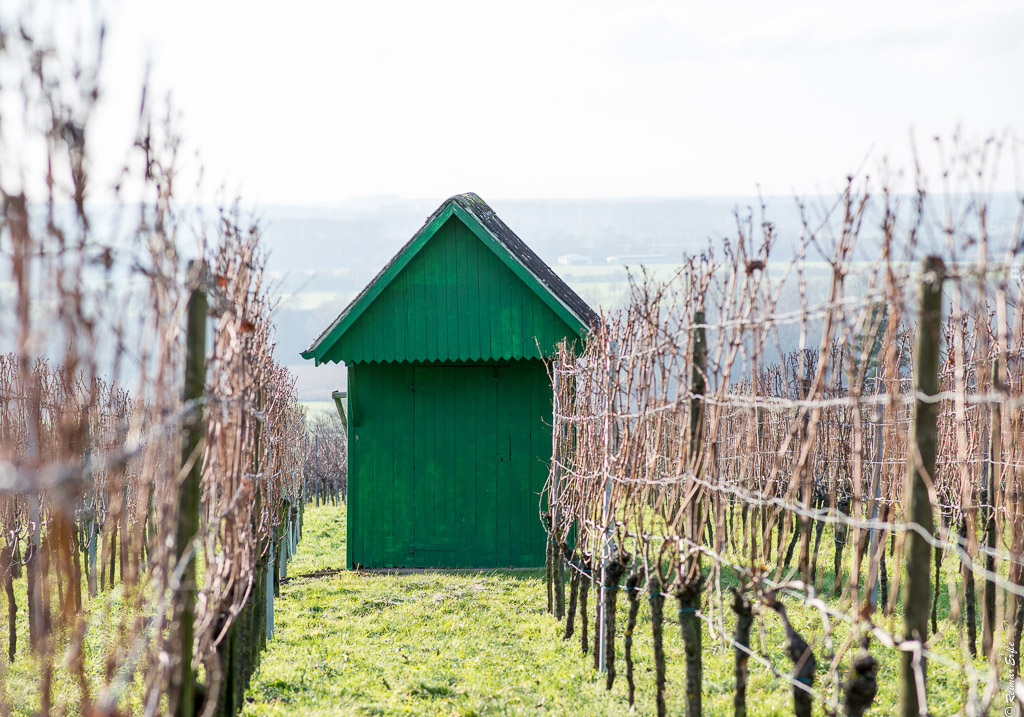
(481, 643)
(431, 643)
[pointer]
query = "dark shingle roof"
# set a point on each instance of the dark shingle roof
(524, 254)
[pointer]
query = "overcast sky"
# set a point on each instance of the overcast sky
(318, 102)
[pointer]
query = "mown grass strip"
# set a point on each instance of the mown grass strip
(481, 643)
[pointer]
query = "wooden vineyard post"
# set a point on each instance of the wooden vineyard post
(269, 592)
(688, 596)
(606, 517)
(282, 557)
(257, 599)
(183, 680)
(7, 578)
(282, 551)
(227, 652)
(558, 575)
(920, 473)
(993, 482)
(549, 561)
(876, 501)
(302, 503)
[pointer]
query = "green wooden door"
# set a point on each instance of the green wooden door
(433, 538)
(446, 464)
(460, 444)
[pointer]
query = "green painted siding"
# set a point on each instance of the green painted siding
(446, 463)
(454, 301)
(450, 405)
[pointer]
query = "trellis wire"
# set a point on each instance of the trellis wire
(92, 414)
(786, 438)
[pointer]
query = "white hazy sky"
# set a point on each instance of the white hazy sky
(317, 102)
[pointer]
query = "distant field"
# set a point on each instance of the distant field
(314, 407)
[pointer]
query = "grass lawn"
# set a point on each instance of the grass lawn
(467, 643)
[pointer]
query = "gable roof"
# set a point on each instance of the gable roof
(496, 235)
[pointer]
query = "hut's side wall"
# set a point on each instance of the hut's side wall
(454, 301)
(446, 463)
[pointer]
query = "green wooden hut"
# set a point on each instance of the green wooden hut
(449, 428)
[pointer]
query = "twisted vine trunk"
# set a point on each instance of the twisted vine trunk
(839, 538)
(657, 621)
(584, 590)
(597, 618)
(570, 618)
(819, 528)
(689, 602)
(7, 576)
(883, 580)
(804, 663)
(969, 598)
(633, 595)
(558, 571)
(938, 578)
(613, 571)
(32, 590)
(549, 564)
(1018, 610)
(862, 684)
(744, 620)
